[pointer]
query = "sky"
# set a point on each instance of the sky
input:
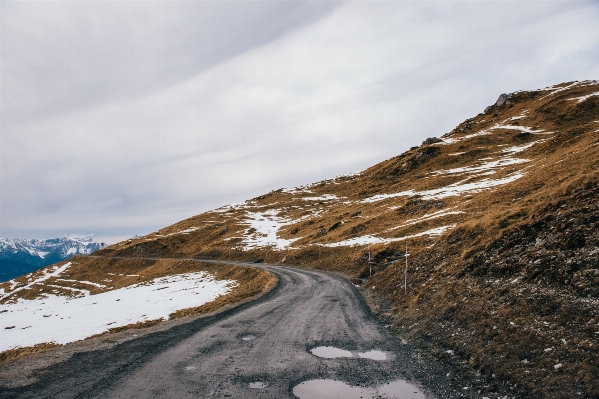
(118, 118)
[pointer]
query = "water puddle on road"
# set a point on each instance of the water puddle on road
(330, 352)
(373, 355)
(331, 389)
(258, 385)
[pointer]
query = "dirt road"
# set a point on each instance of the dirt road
(261, 349)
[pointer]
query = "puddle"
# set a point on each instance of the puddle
(248, 337)
(374, 355)
(401, 389)
(258, 385)
(330, 352)
(331, 389)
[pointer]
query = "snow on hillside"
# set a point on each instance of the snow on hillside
(265, 225)
(488, 153)
(263, 230)
(63, 319)
(450, 190)
(369, 239)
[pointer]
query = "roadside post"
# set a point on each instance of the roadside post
(405, 276)
(369, 264)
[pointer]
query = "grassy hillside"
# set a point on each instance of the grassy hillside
(500, 215)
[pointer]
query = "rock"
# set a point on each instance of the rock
(431, 140)
(504, 99)
(501, 100)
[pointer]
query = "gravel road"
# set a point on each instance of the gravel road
(260, 349)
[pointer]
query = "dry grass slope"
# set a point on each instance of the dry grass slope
(501, 216)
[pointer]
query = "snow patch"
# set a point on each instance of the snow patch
(452, 190)
(582, 98)
(369, 239)
(325, 197)
(554, 90)
(82, 281)
(485, 166)
(426, 217)
(266, 225)
(453, 140)
(296, 190)
(524, 129)
(62, 319)
(184, 231)
(517, 149)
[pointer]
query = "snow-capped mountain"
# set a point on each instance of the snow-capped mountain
(19, 256)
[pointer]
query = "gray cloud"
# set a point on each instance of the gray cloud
(228, 100)
(65, 56)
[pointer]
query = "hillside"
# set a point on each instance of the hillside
(20, 256)
(500, 216)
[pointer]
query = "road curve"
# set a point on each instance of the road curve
(267, 341)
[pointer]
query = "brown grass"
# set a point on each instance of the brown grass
(459, 280)
(460, 284)
(17, 353)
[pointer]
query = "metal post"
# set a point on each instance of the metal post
(369, 264)
(405, 276)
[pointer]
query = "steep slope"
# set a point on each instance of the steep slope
(501, 219)
(20, 256)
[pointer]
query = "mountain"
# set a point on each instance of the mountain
(19, 256)
(500, 216)
(500, 220)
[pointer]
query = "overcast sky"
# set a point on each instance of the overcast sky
(118, 118)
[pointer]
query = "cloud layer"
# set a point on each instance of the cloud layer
(118, 118)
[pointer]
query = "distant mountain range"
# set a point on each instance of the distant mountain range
(19, 256)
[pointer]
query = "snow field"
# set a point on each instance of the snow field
(61, 319)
